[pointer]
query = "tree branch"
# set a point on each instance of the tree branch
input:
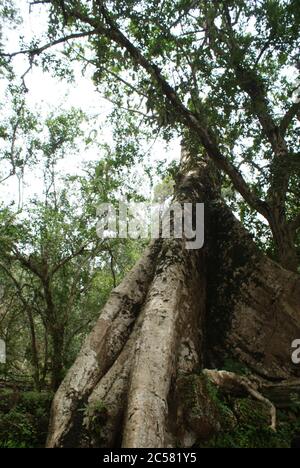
(113, 74)
(26, 262)
(68, 258)
(112, 267)
(11, 174)
(188, 118)
(40, 2)
(39, 50)
(17, 285)
(251, 83)
(295, 224)
(293, 111)
(229, 380)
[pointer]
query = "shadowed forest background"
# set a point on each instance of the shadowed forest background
(176, 100)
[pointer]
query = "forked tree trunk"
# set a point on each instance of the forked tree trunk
(177, 312)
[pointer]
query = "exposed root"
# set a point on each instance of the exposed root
(111, 393)
(231, 381)
(168, 311)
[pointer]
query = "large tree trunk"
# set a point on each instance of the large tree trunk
(177, 312)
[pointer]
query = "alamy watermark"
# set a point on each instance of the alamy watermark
(2, 352)
(144, 221)
(296, 352)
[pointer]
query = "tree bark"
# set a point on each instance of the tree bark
(177, 312)
(253, 313)
(57, 360)
(34, 351)
(284, 241)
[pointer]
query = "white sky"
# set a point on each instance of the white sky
(48, 94)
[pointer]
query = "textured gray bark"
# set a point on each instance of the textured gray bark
(177, 312)
(100, 350)
(254, 303)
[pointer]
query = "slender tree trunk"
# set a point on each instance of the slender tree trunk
(34, 351)
(56, 330)
(57, 366)
(177, 312)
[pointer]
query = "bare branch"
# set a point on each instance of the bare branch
(11, 174)
(25, 74)
(39, 50)
(224, 379)
(40, 2)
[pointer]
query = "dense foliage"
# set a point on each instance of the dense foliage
(225, 71)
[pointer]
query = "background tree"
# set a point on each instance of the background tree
(227, 72)
(56, 272)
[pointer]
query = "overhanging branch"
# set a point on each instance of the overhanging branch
(40, 50)
(190, 119)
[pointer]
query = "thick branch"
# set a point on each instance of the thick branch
(289, 116)
(252, 84)
(187, 117)
(295, 224)
(26, 262)
(190, 119)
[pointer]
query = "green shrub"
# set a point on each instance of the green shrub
(253, 430)
(17, 430)
(24, 418)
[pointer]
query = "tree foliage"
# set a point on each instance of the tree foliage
(226, 72)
